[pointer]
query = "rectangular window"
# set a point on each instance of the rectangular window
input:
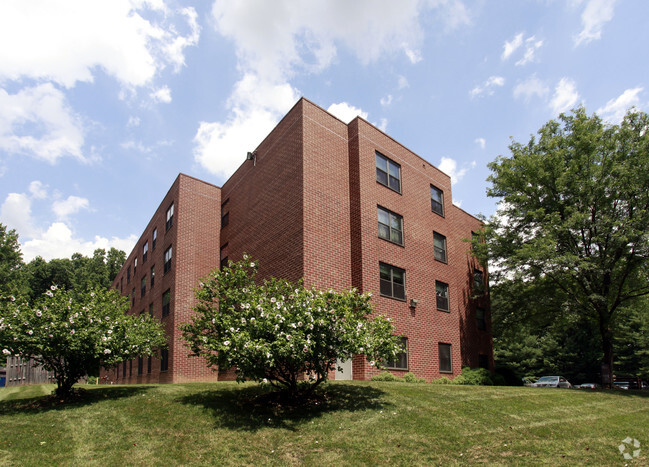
(150, 309)
(121, 284)
(224, 256)
(143, 287)
(437, 200)
(393, 281)
(390, 226)
(124, 370)
(483, 361)
(155, 238)
(134, 268)
(140, 366)
(148, 365)
(128, 275)
(133, 297)
(400, 361)
(388, 173)
(164, 360)
(145, 251)
(170, 217)
(445, 362)
(439, 242)
(168, 255)
(441, 290)
(481, 319)
(130, 368)
(166, 302)
(152, 276)
(478, 281)
(225, 219)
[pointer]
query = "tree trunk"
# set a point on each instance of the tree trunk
(607, 362)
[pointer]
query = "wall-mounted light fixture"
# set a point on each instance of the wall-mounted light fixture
(413, 303)
(252, 156)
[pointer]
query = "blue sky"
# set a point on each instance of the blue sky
(103, 103)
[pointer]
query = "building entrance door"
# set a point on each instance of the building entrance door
(346, 372)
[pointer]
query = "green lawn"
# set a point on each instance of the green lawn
(354, 423)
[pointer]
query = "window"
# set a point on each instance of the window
(225, 219)
(439, 242)
(145, 251)
(133, 297)
(140, 366)
(478, 281)
(400, 361)
(388, 173)
(168, 255)
(445, 364)
(121, 284)
(143, 287)
(155, 238)
(124, 370)
(481, 319)
(128, 275)
(166, 301)
(130, 368)
(393, 281)
(152, 276)
(134, 268)
(164, 360)
(390, 226)
(437, 200)
(170, 217)
(483, 361)
(150, 309)
(441, 290)
(224, 256)
(148, 365)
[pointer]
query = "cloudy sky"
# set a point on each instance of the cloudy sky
(104, 102)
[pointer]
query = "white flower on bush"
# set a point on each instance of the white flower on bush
(30, 332)
(13, 299)
(72, 331)
(49, 293)
(6, 352)
(39, 314)
(226, 343)
(106, 351)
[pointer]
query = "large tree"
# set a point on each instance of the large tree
(74, 333)
(11, 262)
(280, 332)
(574, 210)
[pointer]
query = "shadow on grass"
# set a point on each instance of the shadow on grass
(82, 397)
(254, 407)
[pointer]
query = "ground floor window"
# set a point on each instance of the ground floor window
(400, 361)
(445, 363)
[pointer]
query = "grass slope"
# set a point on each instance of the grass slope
(354, 423)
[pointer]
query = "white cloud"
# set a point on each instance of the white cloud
(65, 40)
(346, 112)
(383, 125)
(565, 96)
(133, 121)
(37, 121)
(16, 213)
(481, 142)
(531, 87)
(511, 46)
(403, 82)
(59, 241)
(488, 87)
(276, 40)
(449, 167)
(72, 205)
(386, 101)
(615, 109)
(161, 95)
(256, 106)
(531, 45)
(38, 190)
(595, 15)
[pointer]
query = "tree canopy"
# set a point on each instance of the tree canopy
(574, 210)
(73, 334)
(280, 332)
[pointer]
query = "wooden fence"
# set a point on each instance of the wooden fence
(24, 371)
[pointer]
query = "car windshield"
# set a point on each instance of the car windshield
(547, 379)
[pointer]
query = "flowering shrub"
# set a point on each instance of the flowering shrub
(281, 332)
(73, 334)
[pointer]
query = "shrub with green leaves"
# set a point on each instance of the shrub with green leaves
(474, 377)
(74, 334)
(385, 376)
(282, 332)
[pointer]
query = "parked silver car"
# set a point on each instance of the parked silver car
(552, 382)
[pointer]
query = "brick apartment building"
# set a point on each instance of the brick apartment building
(306, 204)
